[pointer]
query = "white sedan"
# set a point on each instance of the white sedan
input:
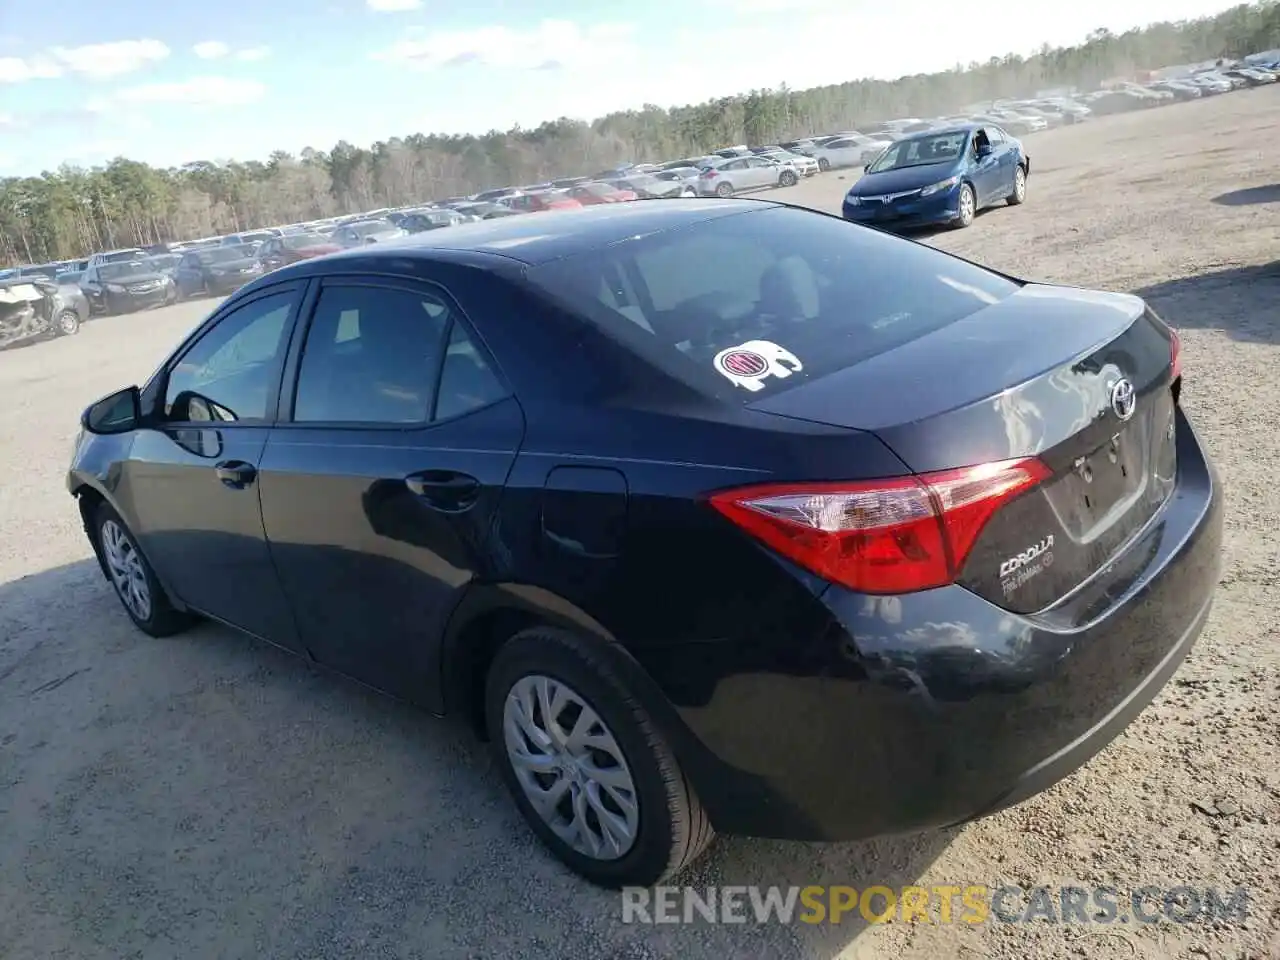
(848, 151)
(805, 166)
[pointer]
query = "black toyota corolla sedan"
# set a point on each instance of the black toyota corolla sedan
(713, 515)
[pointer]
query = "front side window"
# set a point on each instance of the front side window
(828, 292)
(371, 356)
(229, 374)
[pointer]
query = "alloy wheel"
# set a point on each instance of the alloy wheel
(68, 322)
(570, 767)
(1019, 184)
(966, 204)
(124, 563)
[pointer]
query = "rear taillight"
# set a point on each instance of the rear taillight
(884, 536)
(1175, 350)
(709, 174)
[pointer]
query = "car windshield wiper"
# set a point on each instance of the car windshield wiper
(907, 166)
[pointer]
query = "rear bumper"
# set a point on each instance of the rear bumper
(936, 708)
(132, 302)
(230, 284)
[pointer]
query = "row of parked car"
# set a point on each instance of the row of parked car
(57, 297)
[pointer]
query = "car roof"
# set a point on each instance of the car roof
(943, 131)
(554, 234)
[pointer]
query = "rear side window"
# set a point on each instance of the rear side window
(371, 356)
(751, 304)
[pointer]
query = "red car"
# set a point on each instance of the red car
(542, 200)
(592, 193)
(282, 251)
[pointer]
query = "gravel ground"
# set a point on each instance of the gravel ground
(212, 797)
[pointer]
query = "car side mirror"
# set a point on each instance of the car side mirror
(119, 412)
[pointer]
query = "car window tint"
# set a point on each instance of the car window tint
(228, 373)
(371, 356)
(829, 292)
(467, 381)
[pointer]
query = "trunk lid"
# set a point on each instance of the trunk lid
(1042, 374)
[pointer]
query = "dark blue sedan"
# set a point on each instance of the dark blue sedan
(940, 177)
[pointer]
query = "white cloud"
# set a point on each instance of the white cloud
(217, 50)
(198, 91)
(102, 61)
(211, 49)
(393, 6)
(17, 70)
(553, 43)
(103, 149)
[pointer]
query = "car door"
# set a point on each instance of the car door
(381, 483)
(193, 475)
(840, 153)
(736, 173)
(986, 169)
(94, 291)
(272, 255)
(764, 173)
(187, 276)
(1006, 162)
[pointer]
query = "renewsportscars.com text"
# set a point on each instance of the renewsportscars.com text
(970, 904)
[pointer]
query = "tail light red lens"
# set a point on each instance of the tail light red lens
(1175, 349)
(884, 536)
(709, 174)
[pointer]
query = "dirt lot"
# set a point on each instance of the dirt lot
(210, 797)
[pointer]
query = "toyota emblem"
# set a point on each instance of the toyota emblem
(1123, 398)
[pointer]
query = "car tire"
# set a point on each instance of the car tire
(788, 178)
(135, 583)
(658, 826)
(966, 205)
(823, 164)
(1019, 193)
(67, 322)
(724, 190)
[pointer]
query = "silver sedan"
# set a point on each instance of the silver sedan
(740, 174)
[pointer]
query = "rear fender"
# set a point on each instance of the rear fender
(468, 649)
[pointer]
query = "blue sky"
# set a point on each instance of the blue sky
(170, 82)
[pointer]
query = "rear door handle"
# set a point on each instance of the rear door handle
(445, 489)
(235, 473)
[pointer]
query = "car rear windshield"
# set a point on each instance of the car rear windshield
(224, 254)
(119, 270)
(826, 292)
(300, 241)
(122, 256)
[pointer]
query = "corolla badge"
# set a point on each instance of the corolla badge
(1029, 555)
(1124, 399)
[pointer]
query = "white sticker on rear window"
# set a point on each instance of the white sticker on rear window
(750, 364)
